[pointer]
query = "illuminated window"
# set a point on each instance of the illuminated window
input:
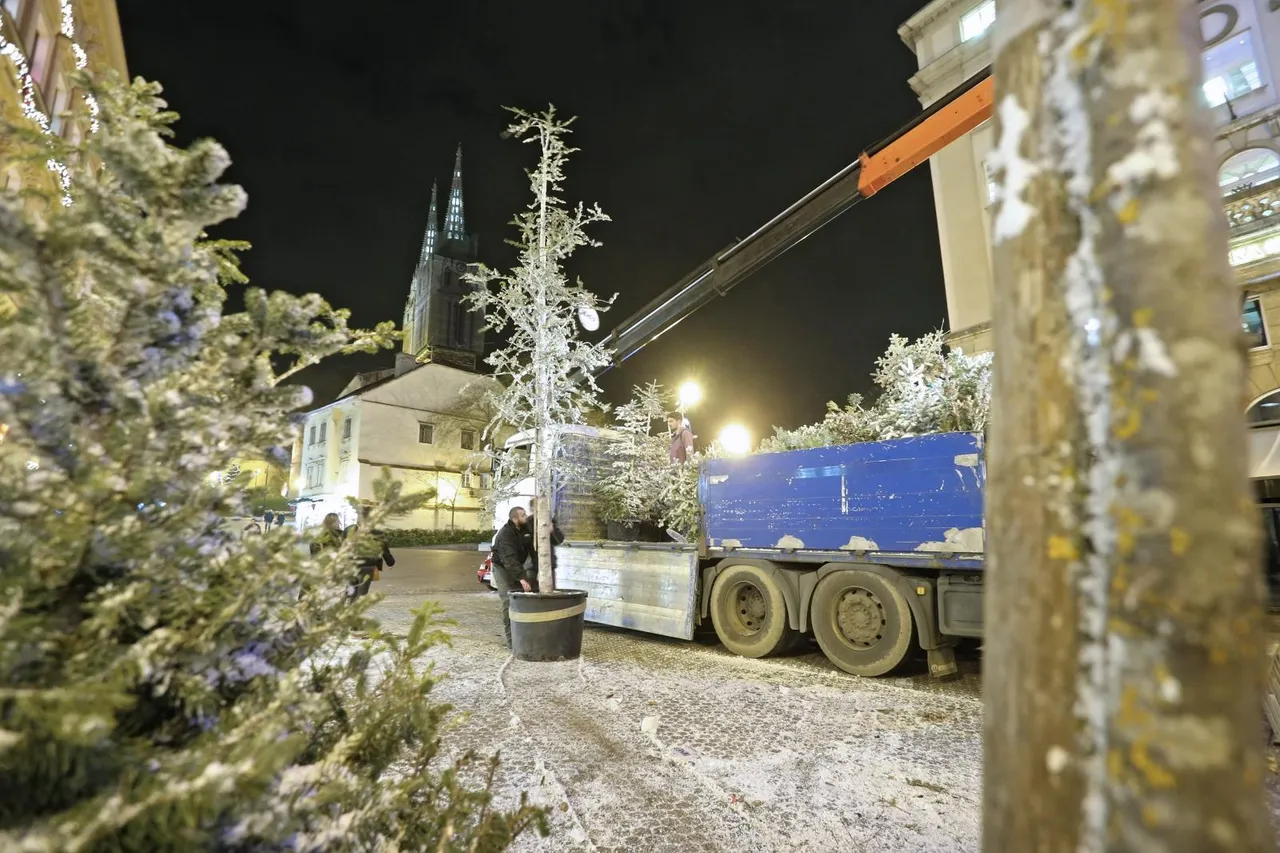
(1251, 166)
(1255, 329)
(41, 51)
(990, 174)
(1230, 70)
(57, 116)
(978, 20)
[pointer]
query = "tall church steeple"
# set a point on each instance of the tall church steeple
(455, 226)
(429, 238)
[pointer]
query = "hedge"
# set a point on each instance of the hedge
(418, 538)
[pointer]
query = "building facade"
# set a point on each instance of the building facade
(1241, 40)
(952, 42)
(413, 420)
(43, 43)
(439, 326)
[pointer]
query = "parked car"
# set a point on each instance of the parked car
(484, 574)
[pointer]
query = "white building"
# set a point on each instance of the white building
(410, 420)
(1241, 40)
(952, 42)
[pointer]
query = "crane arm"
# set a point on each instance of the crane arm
(945, 121)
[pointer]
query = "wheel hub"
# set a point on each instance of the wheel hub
(750, 607)
(860, 616)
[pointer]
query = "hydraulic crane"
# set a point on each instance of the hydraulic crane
(946, 120)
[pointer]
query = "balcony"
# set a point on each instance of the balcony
(1252, 209)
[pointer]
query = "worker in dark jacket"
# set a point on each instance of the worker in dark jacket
(509, 554)
(531, 544)
(373, 554)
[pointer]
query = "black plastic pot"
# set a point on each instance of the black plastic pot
(650, 532)
(547, 626)
(623, 531)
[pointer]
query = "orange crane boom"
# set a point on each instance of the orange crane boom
(946, 120)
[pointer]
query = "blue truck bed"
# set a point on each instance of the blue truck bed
(914, 496)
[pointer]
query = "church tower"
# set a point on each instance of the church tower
(438, 325)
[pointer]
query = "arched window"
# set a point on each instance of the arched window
(1251, 166)
(1266, 410)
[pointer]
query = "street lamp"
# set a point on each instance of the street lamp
(447, 493)
(689, 395)
(735, 440)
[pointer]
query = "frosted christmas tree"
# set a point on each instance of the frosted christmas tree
(163, 687)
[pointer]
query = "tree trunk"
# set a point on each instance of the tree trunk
(542, 510)
(1125, 650)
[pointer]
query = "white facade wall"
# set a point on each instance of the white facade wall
(387, 432)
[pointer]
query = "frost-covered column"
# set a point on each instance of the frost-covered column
(1030, 644)
(1127, 717)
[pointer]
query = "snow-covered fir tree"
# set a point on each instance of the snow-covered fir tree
(924, 389)
(546, 369)
(640, 470)
(165, 687)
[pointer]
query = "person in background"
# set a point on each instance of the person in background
(330, 535)
(531, 546)
(509, 554)
(268, 517)
(681, 438)
(372, 557)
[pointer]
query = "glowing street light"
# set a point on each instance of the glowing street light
(690, 394)
(735, 440)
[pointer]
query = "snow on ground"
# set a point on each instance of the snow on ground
(674, 747)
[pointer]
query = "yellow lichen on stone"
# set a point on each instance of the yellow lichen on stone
(1128, 213)
(1156, 776)
(1062, 548)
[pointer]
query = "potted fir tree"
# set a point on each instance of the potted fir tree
(545, 368)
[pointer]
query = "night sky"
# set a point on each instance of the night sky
(698, 122)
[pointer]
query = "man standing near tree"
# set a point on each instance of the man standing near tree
(509, 554)
(681, 438)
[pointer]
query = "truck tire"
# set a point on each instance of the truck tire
(862, 622)
(749, 611)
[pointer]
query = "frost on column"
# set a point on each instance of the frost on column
(545, 368)
(163, 686)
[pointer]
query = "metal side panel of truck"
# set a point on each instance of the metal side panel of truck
(875, 549)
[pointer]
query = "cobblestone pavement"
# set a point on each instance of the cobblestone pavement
(660, 745)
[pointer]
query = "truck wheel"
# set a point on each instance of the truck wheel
(749, 612)
(862, 623)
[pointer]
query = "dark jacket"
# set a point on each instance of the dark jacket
(369, 558)
(509, 552)
(531, 541)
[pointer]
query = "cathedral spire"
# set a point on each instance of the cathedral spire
(429, 238)
(455, 226)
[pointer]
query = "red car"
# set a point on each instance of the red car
(484, 574)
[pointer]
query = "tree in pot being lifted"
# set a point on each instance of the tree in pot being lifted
(537, 305)
(630, 497)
